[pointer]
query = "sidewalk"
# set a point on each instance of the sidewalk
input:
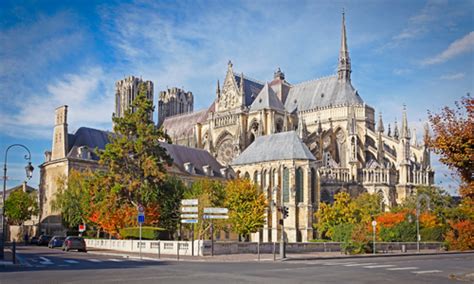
(7, 261)
(263, 257)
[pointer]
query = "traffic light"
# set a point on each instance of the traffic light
(285, 212)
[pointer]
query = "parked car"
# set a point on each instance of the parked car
(34, 240)
(73, 242)
(56, 241)
(43, 240)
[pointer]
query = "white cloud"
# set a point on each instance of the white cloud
(455, 76)
(458, 47)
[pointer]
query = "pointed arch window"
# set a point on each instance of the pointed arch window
(313, 186)
(299, 185)
(286, 185)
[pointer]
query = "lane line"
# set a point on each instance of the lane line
(45, 261)
(115, 260)
(338, 263)
(403, 268)
(379, 266)
(94, 260)
(359, 264)
(426, 271)
(71, 261)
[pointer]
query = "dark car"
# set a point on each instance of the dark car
(43, 240)
(34, 240)
(73, 242)
(56, 241)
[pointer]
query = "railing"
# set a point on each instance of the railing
(334, 175)
(155, 246)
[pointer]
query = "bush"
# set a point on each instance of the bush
(148, 233)
(460, 235)
(342, 232)
(401, 232)
(434, 234)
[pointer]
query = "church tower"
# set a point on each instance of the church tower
(405, 143)
(344, 65)
(174, 101)
(125, 92)
(60, 137)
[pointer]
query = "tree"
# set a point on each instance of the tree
(73, 198)
(343, 211)
(20, 206)
(368, 206)
(210, 193)
(135, 168)
(453, 140)
(170, 195)
(246, 206)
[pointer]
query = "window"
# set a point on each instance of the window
(313, 186)
(299, 185)
(286, 185)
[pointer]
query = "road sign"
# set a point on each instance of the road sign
(189, 202)
(82, 228)
(189, 209)
(189, 221)
(141, 209)
(215, 217)
(189, 216)
(374, 223)
(141, 219)
(214, 210)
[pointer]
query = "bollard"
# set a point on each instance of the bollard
(274, 251)
(14, 252)
(159, 249)
(258, 250)
(177, 254)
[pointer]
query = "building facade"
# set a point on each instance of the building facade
(125, 92)
(353, 151)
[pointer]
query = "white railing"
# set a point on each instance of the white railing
(154, 246)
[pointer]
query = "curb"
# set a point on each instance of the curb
(374, 256)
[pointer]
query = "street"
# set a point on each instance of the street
(54, 266)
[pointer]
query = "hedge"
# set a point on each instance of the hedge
(148, 233)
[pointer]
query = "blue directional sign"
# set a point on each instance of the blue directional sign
(141, 219)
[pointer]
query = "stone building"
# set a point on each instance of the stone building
(125, 92)
(172, 102)
(353, 150)
(77, 152)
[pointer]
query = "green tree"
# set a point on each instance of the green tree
(135, 165)
(343, 211)
(73, 198)
(170, 195)
(368, 206)
(210, 193)
(246, 206)
(20, 206)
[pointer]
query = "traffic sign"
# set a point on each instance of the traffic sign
(189, 209)
(215, 217)
(189, 216)
(214, 210)
(189, 202)
(141, 219)
(189, 221)
(374, 223)
(141, 209)
(82, 228)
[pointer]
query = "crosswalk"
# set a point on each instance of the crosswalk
(375, 266)
(41, 262)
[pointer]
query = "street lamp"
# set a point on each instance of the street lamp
(29, 173)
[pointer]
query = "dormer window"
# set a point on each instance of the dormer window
(189, 167)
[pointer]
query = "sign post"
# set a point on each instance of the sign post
(214, 213)
(82, 229)
(374, 225)
(189, 215)
(141, 220)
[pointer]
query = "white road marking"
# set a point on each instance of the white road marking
(115, 260)
(359, 264)
(403, 268)
(338, 263)
(45, 260)
(71, 261)
(379, 266)
(63, 265)
(426, 271)
(94, 260)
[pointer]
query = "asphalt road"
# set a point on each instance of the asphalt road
(54, 266)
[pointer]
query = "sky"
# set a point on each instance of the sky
(52, 53)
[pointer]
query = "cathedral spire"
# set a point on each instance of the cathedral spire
(242, 84)
(405, 132)
(395, 129)
(344, 66)
(380, 127)
(218, 90)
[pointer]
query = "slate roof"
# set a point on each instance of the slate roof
(267, 99)
(90, 137)
(324, 92)
(183, 125)
(198, 157)
(279, 146)
(251, 88)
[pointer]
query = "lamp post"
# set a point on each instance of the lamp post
(29, 173)
(418, 199)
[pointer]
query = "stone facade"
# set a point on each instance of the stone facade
(125, 92)
(353, 149)
(172, 102)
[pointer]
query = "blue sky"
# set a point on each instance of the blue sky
(418, 53)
